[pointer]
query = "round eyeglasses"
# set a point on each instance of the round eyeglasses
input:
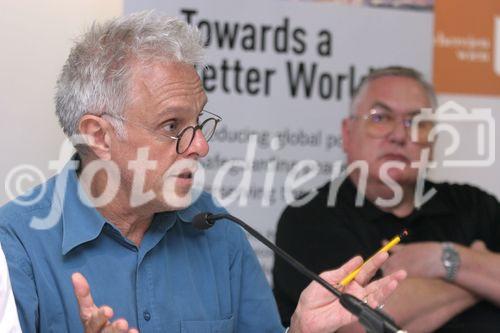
(186, 136)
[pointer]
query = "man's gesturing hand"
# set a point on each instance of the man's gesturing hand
(96, 319)
(319, 311)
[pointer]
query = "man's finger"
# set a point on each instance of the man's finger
(370, 267)
(83, 296)
(316, 295)
(336, 275)
(375, 286)
(96, 322)
(479, 245)
(377, 291)
(381, 289)
(118, 326)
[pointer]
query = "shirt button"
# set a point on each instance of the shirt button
(147, 315)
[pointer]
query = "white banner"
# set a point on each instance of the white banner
(285, 71)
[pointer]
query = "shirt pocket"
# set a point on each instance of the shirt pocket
(208, 326)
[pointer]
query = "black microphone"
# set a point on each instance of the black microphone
(374, 321)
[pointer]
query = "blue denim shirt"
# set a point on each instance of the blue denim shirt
(178, 280)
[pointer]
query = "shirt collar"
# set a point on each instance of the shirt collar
(81, 221)
(435, 206)
(347, 196)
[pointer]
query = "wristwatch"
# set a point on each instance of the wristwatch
(451, 261)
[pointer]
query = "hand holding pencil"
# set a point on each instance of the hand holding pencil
(393, 242)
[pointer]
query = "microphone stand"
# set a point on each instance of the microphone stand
(373, 320)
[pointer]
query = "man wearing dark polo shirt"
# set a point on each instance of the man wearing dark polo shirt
(451, 252)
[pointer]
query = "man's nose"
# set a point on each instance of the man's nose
(199, 145)
(399, 134)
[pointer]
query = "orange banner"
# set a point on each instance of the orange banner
(467, 47)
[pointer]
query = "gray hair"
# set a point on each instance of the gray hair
(394, 71)
(95, 77)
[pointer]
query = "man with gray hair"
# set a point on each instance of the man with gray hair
(451, 251)
(113, 227)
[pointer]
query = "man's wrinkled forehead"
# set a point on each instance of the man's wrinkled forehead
(392, 92)
(177, 82)
(156, 72)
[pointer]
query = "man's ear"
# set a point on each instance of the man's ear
(97, 132)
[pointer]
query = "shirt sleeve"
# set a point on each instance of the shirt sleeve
(21, 277)
(255, 307)
(483, 214)
(9, 322)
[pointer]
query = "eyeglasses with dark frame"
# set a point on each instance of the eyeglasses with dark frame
(186, 136)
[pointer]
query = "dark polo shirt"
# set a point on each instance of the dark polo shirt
(324, 236)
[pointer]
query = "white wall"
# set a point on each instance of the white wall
(36, 37)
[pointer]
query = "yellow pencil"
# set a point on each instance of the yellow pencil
(384, 248)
